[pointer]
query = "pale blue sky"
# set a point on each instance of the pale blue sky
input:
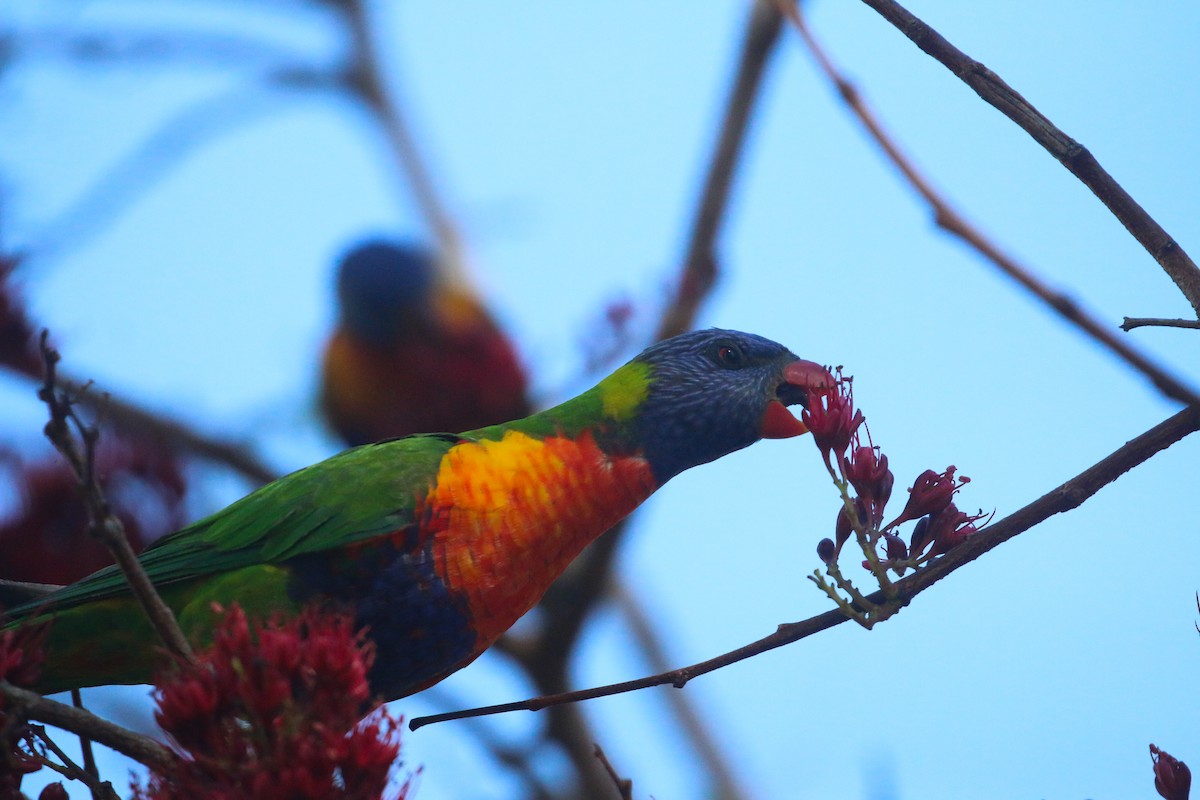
(571, 140)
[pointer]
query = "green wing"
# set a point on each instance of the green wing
(358, 494)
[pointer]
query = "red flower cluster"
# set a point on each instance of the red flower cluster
(273, 710)
(1172, 778)
(21, 656)
(838, 429)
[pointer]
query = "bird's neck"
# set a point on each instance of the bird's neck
(514, 504)
(507, 516)
(607, 412)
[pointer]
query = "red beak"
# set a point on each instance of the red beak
(801, 378)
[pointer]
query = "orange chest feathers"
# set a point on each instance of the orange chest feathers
(508, 516)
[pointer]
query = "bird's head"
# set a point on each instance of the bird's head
(383, 289)
(715, 391)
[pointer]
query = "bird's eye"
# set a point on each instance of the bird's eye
(730, 356)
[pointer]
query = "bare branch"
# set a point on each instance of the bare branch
(1070, 153)
(140, 169)
(76, 720)
(159, 48)
(102, 523)
(724, 783)
(700, 262)
(1062, 498)
(85, 747)
(624, 786)
(1140, 322)
(575, 595)
(365, 80)
(171, 432)
(101, 790)
(952, 222)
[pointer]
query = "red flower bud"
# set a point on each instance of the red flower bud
(1172, 778)
(842, 528)
(920, 537)
(826, 550)
(895, 547)
(54, 791)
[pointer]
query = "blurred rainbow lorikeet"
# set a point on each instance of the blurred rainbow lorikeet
(437, 543)
(413, 352)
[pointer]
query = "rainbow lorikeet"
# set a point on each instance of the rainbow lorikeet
(413, 352)
(438, 543)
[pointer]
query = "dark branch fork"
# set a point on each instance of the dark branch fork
(84, 723)
(1070, 153)
(954, 223)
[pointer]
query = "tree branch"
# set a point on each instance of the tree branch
(172, 432)
(365, 81)
(954, 223)
(102, 523)
(700, 263)
(724, 784)
(101, 790)
(145, 50)
(1070, 153)
(624, 786)
(84, 723)
(575, 595)
(588, 577)
(1139, 322)
(1063, 498)
(141, 168)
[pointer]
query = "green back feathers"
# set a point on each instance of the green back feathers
(358, 494)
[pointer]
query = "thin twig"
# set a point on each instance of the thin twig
(574, 596)
(177, 436)
(365, 80)
(1063, 498)
(951, 221)
(157, 49)
(142, 167)
(102, 523)
(1140, 322)
(173, 433)
(700, 263)
(724, 784)
(624, 785)
(1070, 153)
(84, 723)
(85, 744)
(101, 790)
